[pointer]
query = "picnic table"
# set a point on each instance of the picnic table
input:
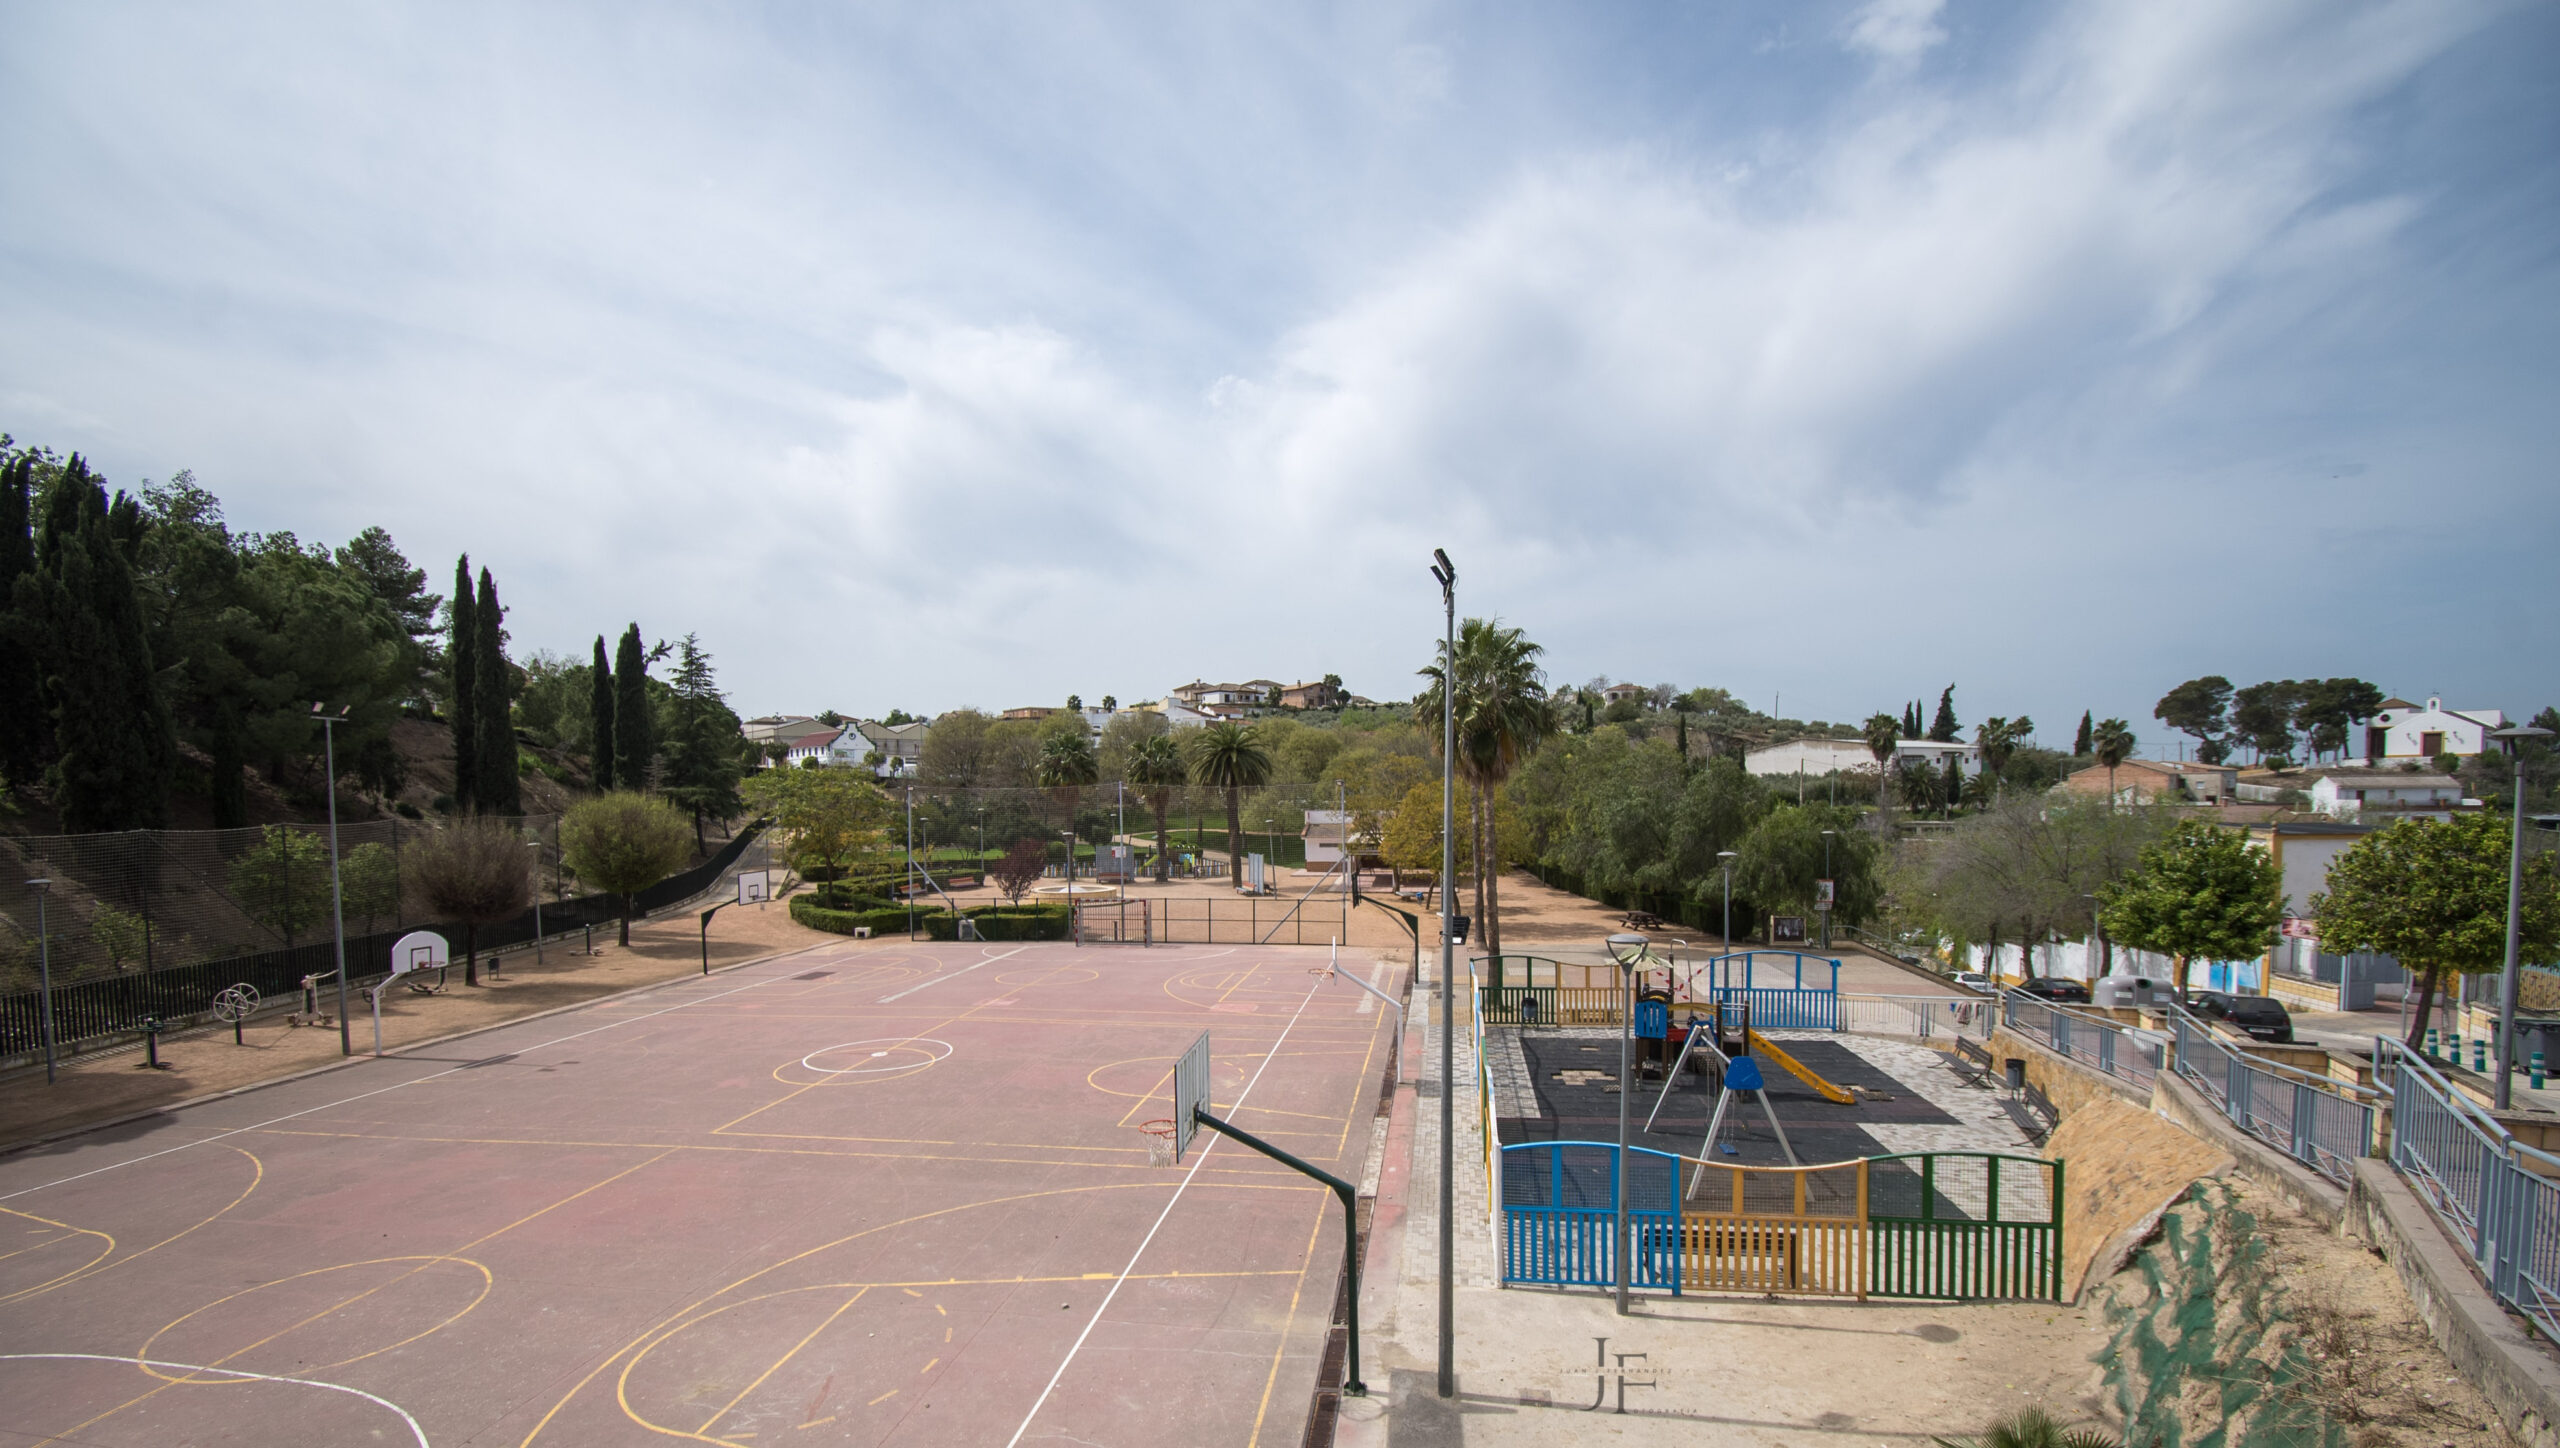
(1641, 920)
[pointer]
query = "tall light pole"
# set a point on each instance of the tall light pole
(1447, 573)
(1628, 952)
(337, 900)
(982, 842)
(2513, 741)
(1725, 858)
(535, 845)
(1835, 889)
(44, 974)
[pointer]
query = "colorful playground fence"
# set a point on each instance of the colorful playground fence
(1944, 1225)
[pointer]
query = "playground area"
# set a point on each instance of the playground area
(869, 1192)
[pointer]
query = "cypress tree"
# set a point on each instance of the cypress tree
(117, 752)
(462, 654)
(2081, 743)
(1943, 728)
(1953, 784)
(501, 790)
(634, 748)
(600, 720)
(22, 720)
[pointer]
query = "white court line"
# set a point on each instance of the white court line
(362, 1095)
(96, 1357)
(955, 975)
(1196, 1162)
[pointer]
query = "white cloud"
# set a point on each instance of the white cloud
(1896, 31)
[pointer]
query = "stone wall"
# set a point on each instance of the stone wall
(2121, 1167)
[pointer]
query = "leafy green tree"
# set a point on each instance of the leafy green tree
(827, 820)
(372, 559)
(25, 733)
(462, 662)
(1411, 839)
(635, 744)
(1503, 715)
(1777, 863)
(2112, 743)
(1155, 767)
(2201, 893)
(955, 750)
(1996, 739)
(2081, 743)
(369, 883)
(2325, 709)
(282, 882)
(1066, 766)
(2433, 894)
(473, 872)
(1229, 758)
(115, 750)
(703, 748)
(122, 935)
(625, 842)
(600, 707)
(2197, 708)
(1943, 727)
(2262, 715)
(500, 787)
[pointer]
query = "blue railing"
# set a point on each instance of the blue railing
(2129, 1056)
(2323, 1124)
(2494, 1194)
(1785, 1010)
(1559, 1215)
(1743, 968)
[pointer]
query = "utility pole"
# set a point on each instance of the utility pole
(337, 902)
(1447, 573)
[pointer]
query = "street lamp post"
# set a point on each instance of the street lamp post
(535, 845)
(1826, 874)
(1628, 952)
(982, 842)
(44, 974)
(1447, 574)
(337, 900)
(2513, 741)
(1725, 857)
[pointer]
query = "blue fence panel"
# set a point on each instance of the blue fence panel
(1559, 1215)
(2493, 1193)
(1785, 1010)
(2325, 1125)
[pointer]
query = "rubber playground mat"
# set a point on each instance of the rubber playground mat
(1576, 1080)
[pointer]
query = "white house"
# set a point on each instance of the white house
(820, 746)
(2384, 794)
(771, 728)
(2403, 731)
(1325, 834)
(1850, 756)
(1623, 693)
(900, 746)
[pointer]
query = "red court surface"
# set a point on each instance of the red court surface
(861, 1194)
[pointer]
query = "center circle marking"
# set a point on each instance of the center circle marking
(933, 1052)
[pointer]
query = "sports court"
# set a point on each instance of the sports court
(865, 1193)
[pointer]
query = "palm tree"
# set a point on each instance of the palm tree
(1156, 768)
(1503, 714)
(1995, 739)
(1230, 757)
(1883, 734)
(2112, 742)
(1065, 767)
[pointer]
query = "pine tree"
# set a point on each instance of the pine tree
(117, 752)
(1911, 720)
(462, 655)
(600, 720)
(634, 746)
(1951, 788)
(1943, 728)
(500, 790)
(2081, 743)
(702, 752)
(22, 719)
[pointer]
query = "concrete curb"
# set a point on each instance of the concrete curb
(27, 1143)
(2489, 1346)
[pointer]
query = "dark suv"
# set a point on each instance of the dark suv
(2059, 991)
(2263, 1017)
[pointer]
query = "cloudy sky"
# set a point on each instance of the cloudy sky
(932, 355)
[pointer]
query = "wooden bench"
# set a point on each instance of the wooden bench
(1641, 920)
(2035, 1115)
(1973, 1063)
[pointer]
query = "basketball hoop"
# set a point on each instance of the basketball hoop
(1159, 1141)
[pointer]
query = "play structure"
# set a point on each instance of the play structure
(1785, 990)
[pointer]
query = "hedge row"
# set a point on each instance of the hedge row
(1037, 922)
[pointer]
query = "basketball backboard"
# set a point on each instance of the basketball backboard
(419, 950)
(753, 887)
(1190, 1093)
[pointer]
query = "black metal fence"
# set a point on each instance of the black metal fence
(99, 1007)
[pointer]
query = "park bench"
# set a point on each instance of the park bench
(1973, 1063)
(2034, 1113)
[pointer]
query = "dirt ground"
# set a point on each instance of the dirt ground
(2379, 1373)
(202, 1062)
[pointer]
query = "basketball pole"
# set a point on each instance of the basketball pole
(337, 905)
(1447, 573)
(1344, 1192)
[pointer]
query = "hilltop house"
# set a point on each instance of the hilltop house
(1850, 756)
(2403, 732)
(2148, 781)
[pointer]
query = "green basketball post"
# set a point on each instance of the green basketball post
(1352, 1387)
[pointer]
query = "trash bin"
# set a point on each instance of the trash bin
(2015, 1068)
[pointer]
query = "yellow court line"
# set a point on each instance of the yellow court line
(831, 1317)
(747, 1150)
(83, 1274)
(104, 1252)
(1286, 1323)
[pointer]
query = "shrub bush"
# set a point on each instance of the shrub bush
(1036, 922)
(889, 920)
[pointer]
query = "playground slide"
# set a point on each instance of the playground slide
(1802, 1072)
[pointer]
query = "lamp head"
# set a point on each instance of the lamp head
(2512, 738)
(1724, 854)
(45, 884)
(1627, 950)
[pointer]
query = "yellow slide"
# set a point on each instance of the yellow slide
(1793, 1067)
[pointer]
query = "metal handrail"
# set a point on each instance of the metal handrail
(2363, 1095)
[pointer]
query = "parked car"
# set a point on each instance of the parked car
(1974, 979)
(2056, 989)
(2262, 1017)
